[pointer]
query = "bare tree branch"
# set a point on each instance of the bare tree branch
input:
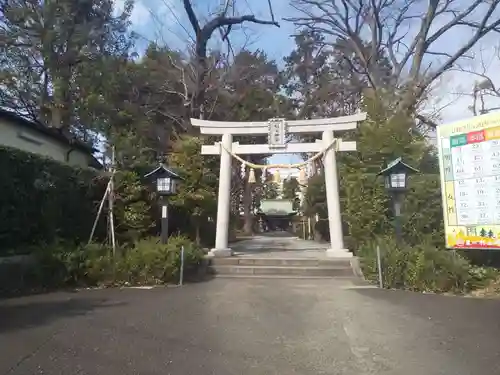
(402, 31)
(192, 17)
(485, 92)
(203, 35)
(426, 120)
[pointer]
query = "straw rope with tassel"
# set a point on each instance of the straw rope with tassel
(253, 166)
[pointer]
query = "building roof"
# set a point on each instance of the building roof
(276, 207)
(53, 133)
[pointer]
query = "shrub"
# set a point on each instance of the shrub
(63, 263)
(150, 262)
(146, 262)
(422, 268)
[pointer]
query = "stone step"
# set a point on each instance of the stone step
(278, 277)
(306, 271)
(285, 248)
(302, 262)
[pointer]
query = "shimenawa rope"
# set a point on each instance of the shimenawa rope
(289, 166)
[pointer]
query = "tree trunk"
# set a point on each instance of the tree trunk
(318, 237)
(247, 207)
(62, 101)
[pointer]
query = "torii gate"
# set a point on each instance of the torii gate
(277, 130)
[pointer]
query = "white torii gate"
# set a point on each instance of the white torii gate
(276, 130)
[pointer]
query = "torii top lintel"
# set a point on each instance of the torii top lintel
(293, 126)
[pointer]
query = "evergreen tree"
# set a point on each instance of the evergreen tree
(43, 47)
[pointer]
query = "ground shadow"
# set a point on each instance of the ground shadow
(455, 312)
(29, 312)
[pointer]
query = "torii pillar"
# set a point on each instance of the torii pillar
(276, 130)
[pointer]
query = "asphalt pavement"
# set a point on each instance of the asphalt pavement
(249, 327)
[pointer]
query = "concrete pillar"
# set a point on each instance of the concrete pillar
(333, 200)
(224, 200)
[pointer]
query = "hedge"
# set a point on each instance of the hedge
(42, 200)
(423, 267)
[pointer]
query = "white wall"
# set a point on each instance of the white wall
(25, 139)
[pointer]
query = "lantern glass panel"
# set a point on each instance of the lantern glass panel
(398, 180)
(164, 185)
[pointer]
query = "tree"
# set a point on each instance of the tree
(483, 232)
(132, 207)
(315, 204)
(43, 46)
(138, 106)
(249, 92)
(291, 188)
(271, 190)
(366, 207)
(320, 80)
(485, 91)
(308, 74)
(371, 28)
(197, 192)
(322, 83)
(222, 21)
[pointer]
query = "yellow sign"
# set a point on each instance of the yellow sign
(469, 162)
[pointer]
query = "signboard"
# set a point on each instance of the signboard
(277, 133)
(469, 162)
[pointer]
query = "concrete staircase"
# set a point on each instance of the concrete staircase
(281, 267)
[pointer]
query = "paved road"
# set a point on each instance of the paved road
(229, 327)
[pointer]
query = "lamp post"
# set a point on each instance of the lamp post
(166, 185)
(396, 183)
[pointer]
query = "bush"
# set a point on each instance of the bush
(63, 263)
(423, 268)
(42, 200)
(147, 262)
(150, 262)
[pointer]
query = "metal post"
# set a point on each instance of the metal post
(379, 266)
(181, 276)
(164, 220)
(397, 200)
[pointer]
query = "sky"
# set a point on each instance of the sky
(165, 21)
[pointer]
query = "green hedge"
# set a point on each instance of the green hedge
(423, 267)
(42, 200)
